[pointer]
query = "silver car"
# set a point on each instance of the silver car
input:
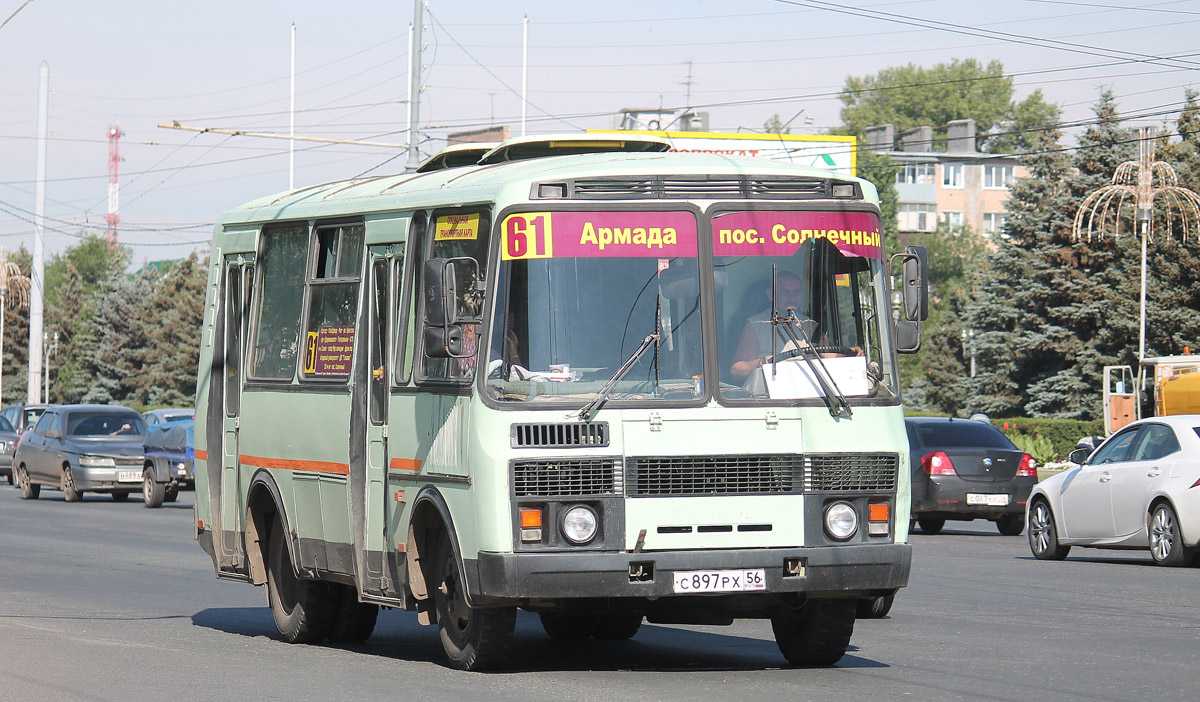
(82, 448)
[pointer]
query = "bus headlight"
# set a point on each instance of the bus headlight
(579, 524)
(841, 521)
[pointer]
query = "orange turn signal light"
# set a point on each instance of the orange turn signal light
(531, 518)
(877, 512)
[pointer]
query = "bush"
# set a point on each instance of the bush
(1040, 447)
(1062, 434)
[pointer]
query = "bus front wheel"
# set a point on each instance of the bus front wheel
(816, 634)
(473, 638)
(303, 609)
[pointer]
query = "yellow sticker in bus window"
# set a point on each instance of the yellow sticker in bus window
(457, 227)
(310, 353)
(526, 235)
(842, 280)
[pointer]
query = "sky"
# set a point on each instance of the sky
(226, 65)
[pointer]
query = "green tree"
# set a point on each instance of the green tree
(775, 125)
(1019, 133)
(914, 96)
(172, 321)
(114, 341)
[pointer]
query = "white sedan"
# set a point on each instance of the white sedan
(1140, 489)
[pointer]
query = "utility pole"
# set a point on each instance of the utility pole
(113, 218)
(524, 72)
(292, 119)
(37, 275)
(414, 104)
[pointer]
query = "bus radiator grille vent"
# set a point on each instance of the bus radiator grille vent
(564, 477)
(850, 472)
(700, 188)
(562, 435)
(649, 476)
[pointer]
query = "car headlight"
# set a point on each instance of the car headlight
(841, 521)
(579, 524)
(97, 461)
(3, 447)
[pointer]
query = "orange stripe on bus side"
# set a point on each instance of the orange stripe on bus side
(296, 464)
(406, 464)
(202, 455)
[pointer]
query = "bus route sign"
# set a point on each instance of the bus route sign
(529, 235)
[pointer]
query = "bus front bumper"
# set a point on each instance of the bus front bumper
(844, 571)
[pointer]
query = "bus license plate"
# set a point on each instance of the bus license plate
(129, 476)
(720, 580)
(993, 500)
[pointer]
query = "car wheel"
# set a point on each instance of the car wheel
(569, 626)
(618, 627)
(1011, 524)
(1043, 535)
(10, 478)
(354, 621)
(120, 496)
(875, 607)
(930, 525)
(152, 492)
(473, 638)
(1166, 541)
(70, 492)
(29, 489)
(303, 609)
(817, 634)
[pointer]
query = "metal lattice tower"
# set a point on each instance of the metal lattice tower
(113, 218)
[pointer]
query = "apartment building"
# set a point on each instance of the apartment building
(959, 185)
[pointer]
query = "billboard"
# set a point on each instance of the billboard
(836, 153)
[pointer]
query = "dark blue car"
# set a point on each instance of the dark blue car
(170, 461)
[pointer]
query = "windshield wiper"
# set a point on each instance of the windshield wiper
(834, 399)
(587, 410)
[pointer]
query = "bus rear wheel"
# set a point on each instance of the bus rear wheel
(473, 638)
(817, 634)
(355, 621)
(303, 609)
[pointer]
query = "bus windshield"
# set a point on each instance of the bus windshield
(800, 294)
(579, 292)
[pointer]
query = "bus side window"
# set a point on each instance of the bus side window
(460, 233)
(332, 301)
(277, 316)
(408, 307)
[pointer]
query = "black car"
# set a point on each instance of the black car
(964, 469)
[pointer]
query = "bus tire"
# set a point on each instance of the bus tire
(152, 492)
(875, 607)
(473, 638)
(817, 634)
(303, 609)
(355, 621)
(618, 627)
(569, 626)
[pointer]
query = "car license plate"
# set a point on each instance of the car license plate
(129, 476)
(993, 500)
(689, 581)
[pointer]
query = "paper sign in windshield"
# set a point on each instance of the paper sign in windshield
(598, 235)
(329, 351)
(457, 227)
(782, 233)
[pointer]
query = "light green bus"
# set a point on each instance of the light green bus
(585, 378)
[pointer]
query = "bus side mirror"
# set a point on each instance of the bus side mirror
(444, 341)
(915, 284)
(440, 292)
(908, 336)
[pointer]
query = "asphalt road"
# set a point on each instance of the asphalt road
(109, 601)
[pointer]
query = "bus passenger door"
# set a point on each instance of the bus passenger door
(375, 358)
(231, 552)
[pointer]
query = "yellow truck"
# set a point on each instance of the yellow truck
(1164, 385)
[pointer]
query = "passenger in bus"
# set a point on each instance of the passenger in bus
(465, 364)
(755, 344)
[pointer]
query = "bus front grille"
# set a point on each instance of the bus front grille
(714, 475)
(558, 434)
(563, 477)
(850, 472)
(772, 474)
